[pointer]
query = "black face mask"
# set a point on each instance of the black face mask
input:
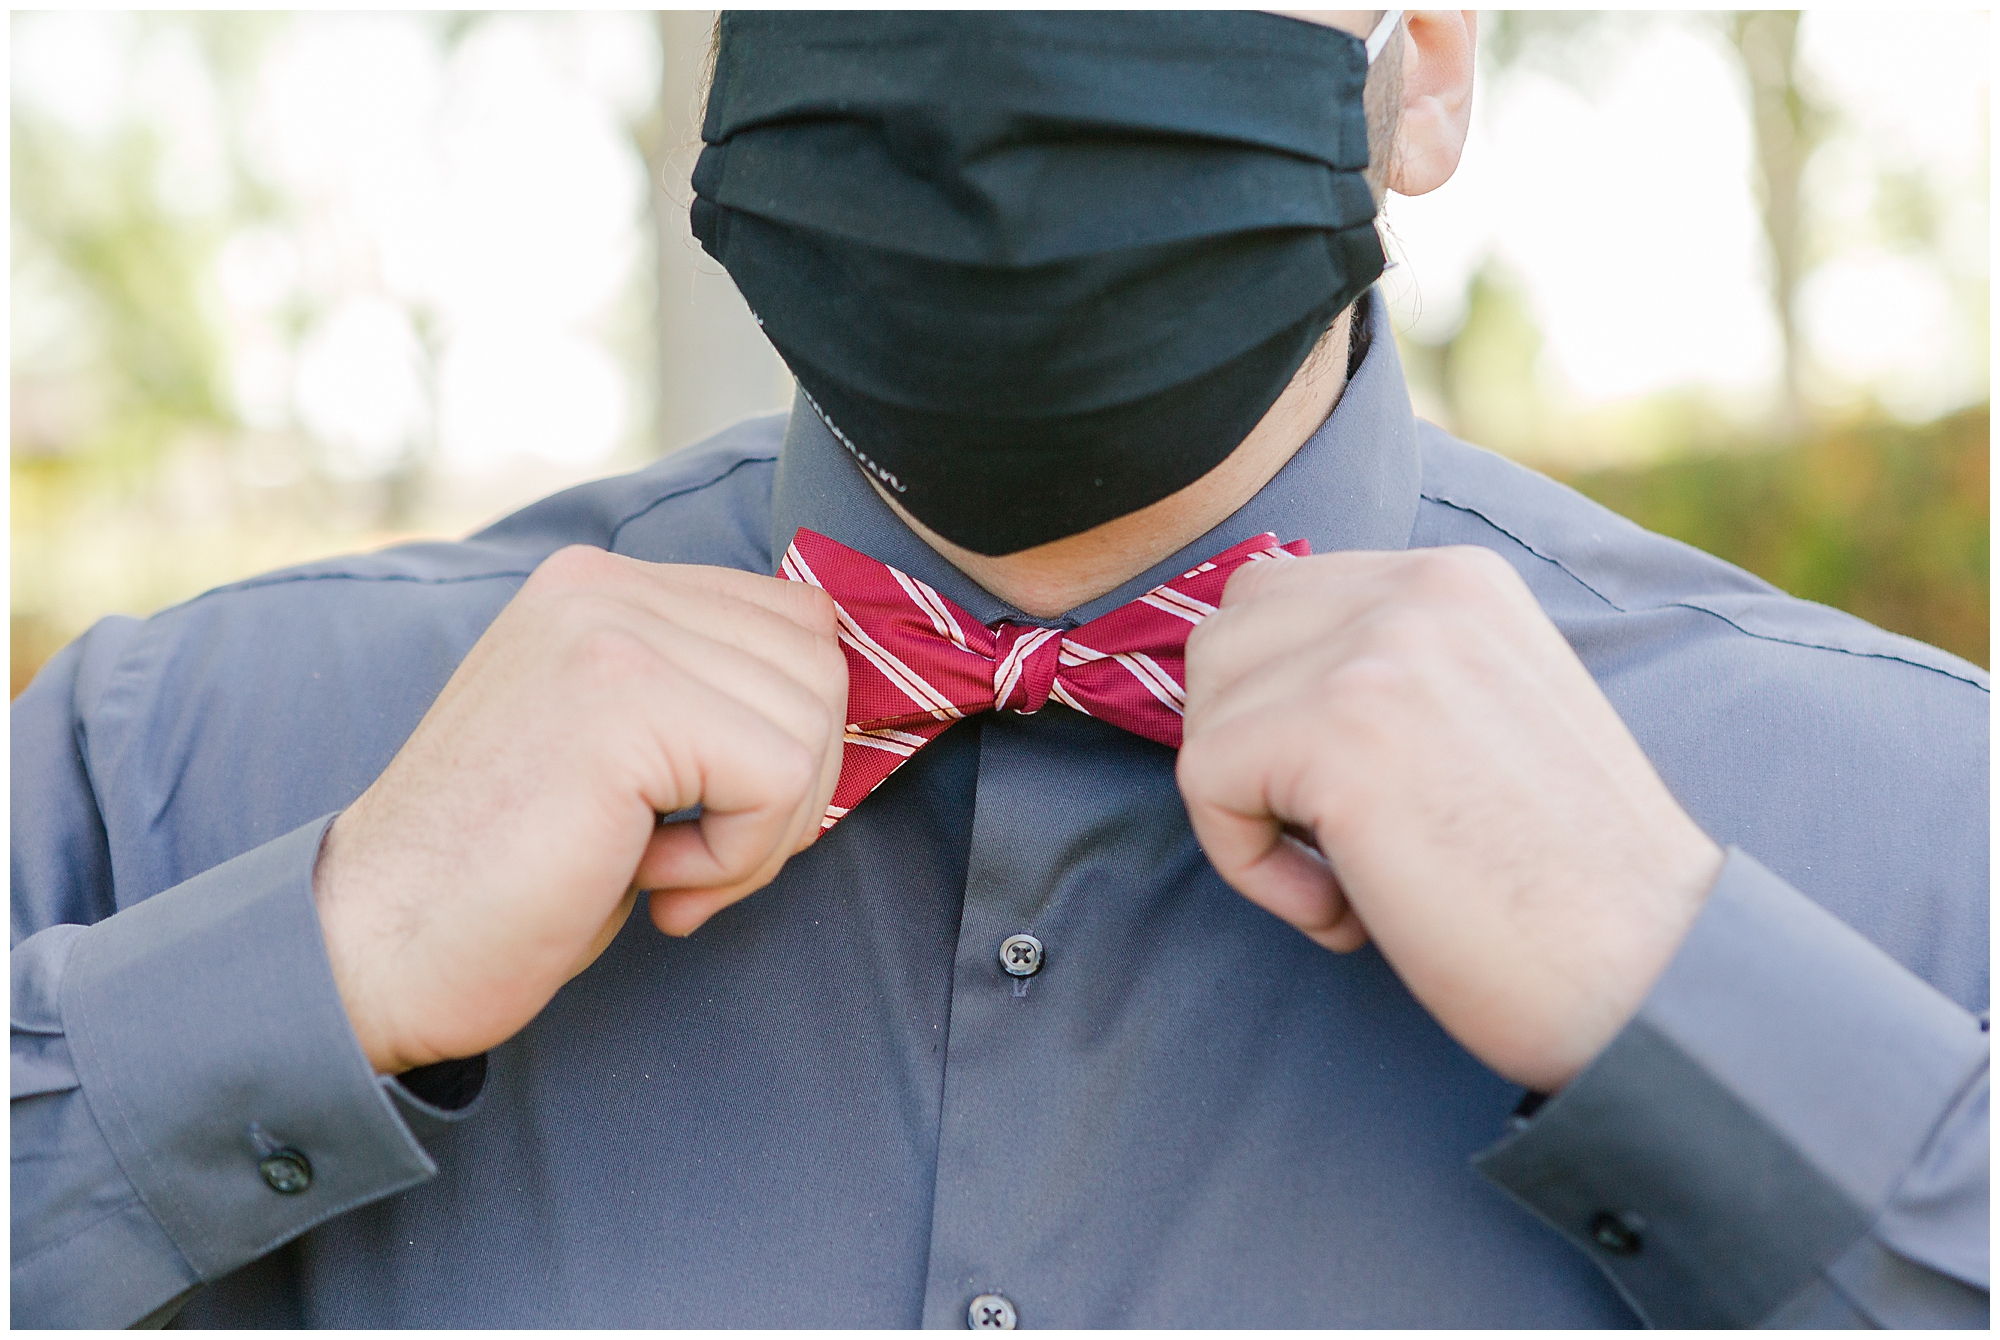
(1037, 271)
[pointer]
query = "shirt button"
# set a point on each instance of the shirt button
(1617, 1233)
(286, 1172)
(990, 1311)
(1021, 956)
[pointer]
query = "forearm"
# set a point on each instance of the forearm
(216, 1103)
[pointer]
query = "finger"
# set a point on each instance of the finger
(1344, 936)
(682, 912)
(1337, 927)
(1314, 574)
(798, 603)
(1451, 563)
(762, 660)
(747, 626)
(829, 780)
(759, 786)
(582, 567)
(810, 707)
(680, 868)
(806, 658)
(782, 620)
(732, 848)
(677, 664)
(1277, 616)
(1281, 875)
(1351, 601)
(606, 933)
(1237, 804)
(1281, 665)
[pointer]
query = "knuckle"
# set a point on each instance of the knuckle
(573, 566)
(818, 718)
(1367, 692)
(1254, 579)
(1462, 573)
(1370, 678)
(1202, 635)
(815, 608)
(603, 652)
(1406, 632)
(830, 669)
(1435, 572)
(791, 769)
(1486, 569)
(1211, 761)
(1192, 769)
(798, 600)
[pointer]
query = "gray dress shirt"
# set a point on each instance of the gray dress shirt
(831, 1106)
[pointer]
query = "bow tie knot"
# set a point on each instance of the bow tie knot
(1025, 670)
(916, 662)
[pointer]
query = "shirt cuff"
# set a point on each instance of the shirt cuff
(1745, 1129)
(434, 1098)
(218, 1060)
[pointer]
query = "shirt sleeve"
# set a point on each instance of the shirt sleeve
(1792, 1131)
(187, 1093)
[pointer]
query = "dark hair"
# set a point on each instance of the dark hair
(705, 81)
(1383, 99)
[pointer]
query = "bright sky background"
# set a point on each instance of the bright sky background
(1627, 211)
(493, 192)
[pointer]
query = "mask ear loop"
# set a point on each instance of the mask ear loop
(1384, 28)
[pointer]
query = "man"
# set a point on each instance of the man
(329, 1002)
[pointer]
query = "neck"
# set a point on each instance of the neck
(1053, 578)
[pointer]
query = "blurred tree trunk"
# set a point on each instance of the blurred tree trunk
(715, 366)
(1787, 128)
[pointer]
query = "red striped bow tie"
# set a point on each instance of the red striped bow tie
(916, 662)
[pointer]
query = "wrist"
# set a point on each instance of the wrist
(1658, 917)
(348, 954)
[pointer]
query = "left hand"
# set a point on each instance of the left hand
(1484, 815)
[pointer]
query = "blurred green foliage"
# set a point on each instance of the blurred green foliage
(118, 355)
(1882, 519)
(117, 265)
(139, 347)
(134, 482)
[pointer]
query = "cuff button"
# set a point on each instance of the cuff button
(1617, 1233)
(286, 1172)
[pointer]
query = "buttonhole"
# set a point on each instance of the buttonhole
(1618, 1234)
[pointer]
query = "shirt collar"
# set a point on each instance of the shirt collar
(1353, 485)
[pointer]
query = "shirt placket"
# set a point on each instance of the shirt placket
(1058, 855)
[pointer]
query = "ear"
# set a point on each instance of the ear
(1437, 50)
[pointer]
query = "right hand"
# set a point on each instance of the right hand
(503, 847)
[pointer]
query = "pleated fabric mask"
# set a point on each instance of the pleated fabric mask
(1038, 270)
